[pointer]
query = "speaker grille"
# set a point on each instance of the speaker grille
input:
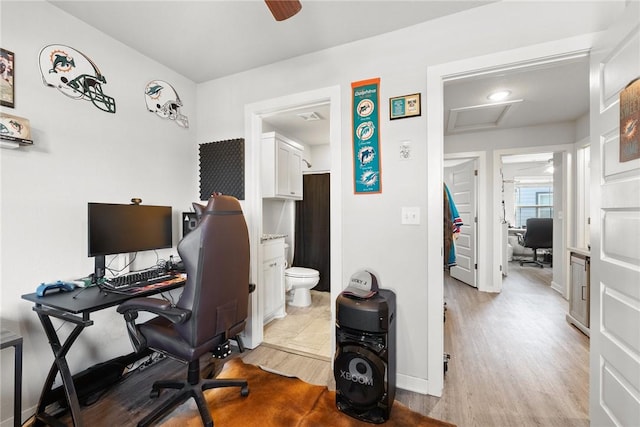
(364, 365)
(360, 376)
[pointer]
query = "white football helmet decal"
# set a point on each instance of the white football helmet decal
(162, 99)
(75, 75)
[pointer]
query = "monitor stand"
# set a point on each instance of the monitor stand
(99, 269)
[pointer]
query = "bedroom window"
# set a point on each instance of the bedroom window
(533, 201)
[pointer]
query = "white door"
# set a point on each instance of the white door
(462, 186)
(615, 233)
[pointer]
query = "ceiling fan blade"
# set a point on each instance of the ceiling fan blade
(283, 9)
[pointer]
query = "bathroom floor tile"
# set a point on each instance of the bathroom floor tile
(304, 329)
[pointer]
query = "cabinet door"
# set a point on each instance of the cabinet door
(579, 291)
(273, 304)
(283, 166)
(268, 283)
(295, 173)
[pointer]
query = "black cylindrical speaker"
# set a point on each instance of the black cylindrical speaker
(365, 361)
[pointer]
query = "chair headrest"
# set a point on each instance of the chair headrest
(216, 203)
(222, 203)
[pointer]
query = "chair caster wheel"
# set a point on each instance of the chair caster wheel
(154, 394)
(244, 391)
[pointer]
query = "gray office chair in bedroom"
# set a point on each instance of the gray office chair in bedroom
(539, 235)
(211, 310)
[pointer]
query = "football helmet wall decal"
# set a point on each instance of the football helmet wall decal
(75, 75)
(162, 99)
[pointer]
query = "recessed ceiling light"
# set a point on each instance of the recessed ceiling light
(499, 95)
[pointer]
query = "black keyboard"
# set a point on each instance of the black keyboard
(138, 279)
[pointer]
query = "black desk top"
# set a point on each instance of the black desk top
(87, 300)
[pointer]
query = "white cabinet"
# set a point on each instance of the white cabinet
(281, 167)
(273, 264)
(579, 292)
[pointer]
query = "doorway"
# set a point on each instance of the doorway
(254, 115)
(554, 170)
(436, 77)
(306, 330)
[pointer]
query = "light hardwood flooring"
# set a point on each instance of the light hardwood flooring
(515, 361)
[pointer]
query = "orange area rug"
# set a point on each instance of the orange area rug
(279, 401)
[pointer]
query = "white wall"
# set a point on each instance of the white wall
(582, 127)
(320, 158)
(372, 234)
(80, 154)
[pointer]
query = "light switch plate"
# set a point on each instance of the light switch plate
(410, 216)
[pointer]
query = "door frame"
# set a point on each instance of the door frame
(436, 75)
(254, 331)
(566, 208)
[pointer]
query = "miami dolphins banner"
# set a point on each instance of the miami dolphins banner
(366, 136)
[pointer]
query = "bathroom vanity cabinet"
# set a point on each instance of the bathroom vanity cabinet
(273, 264)
(281, 167)
(579, 292)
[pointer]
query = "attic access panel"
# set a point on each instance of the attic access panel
(480, 117)
(222, 168)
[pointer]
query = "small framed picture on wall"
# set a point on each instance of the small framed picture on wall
(405, 106)
(7, 69)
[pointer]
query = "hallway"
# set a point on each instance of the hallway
(514, 358)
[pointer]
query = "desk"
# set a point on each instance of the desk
(74, 307)
(516, 231)
(9, 339)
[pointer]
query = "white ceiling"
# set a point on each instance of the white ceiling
(233, 36)
(540, 94)
(208, 39)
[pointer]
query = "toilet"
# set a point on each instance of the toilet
(298, 282)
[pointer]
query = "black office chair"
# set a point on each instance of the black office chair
(212, 308)
(539, 235)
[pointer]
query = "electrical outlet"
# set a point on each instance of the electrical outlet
(405, 150)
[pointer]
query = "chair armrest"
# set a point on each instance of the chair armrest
(157, 306)
(160, 307)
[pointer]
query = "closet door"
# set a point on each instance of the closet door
(463, 189)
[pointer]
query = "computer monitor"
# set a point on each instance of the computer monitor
(118, 228)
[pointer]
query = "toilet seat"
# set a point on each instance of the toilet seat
(301, 272)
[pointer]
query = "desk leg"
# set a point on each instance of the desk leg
(59, 365)
(17, 398)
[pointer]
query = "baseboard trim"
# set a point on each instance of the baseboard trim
(409, 383)
(558, 288)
